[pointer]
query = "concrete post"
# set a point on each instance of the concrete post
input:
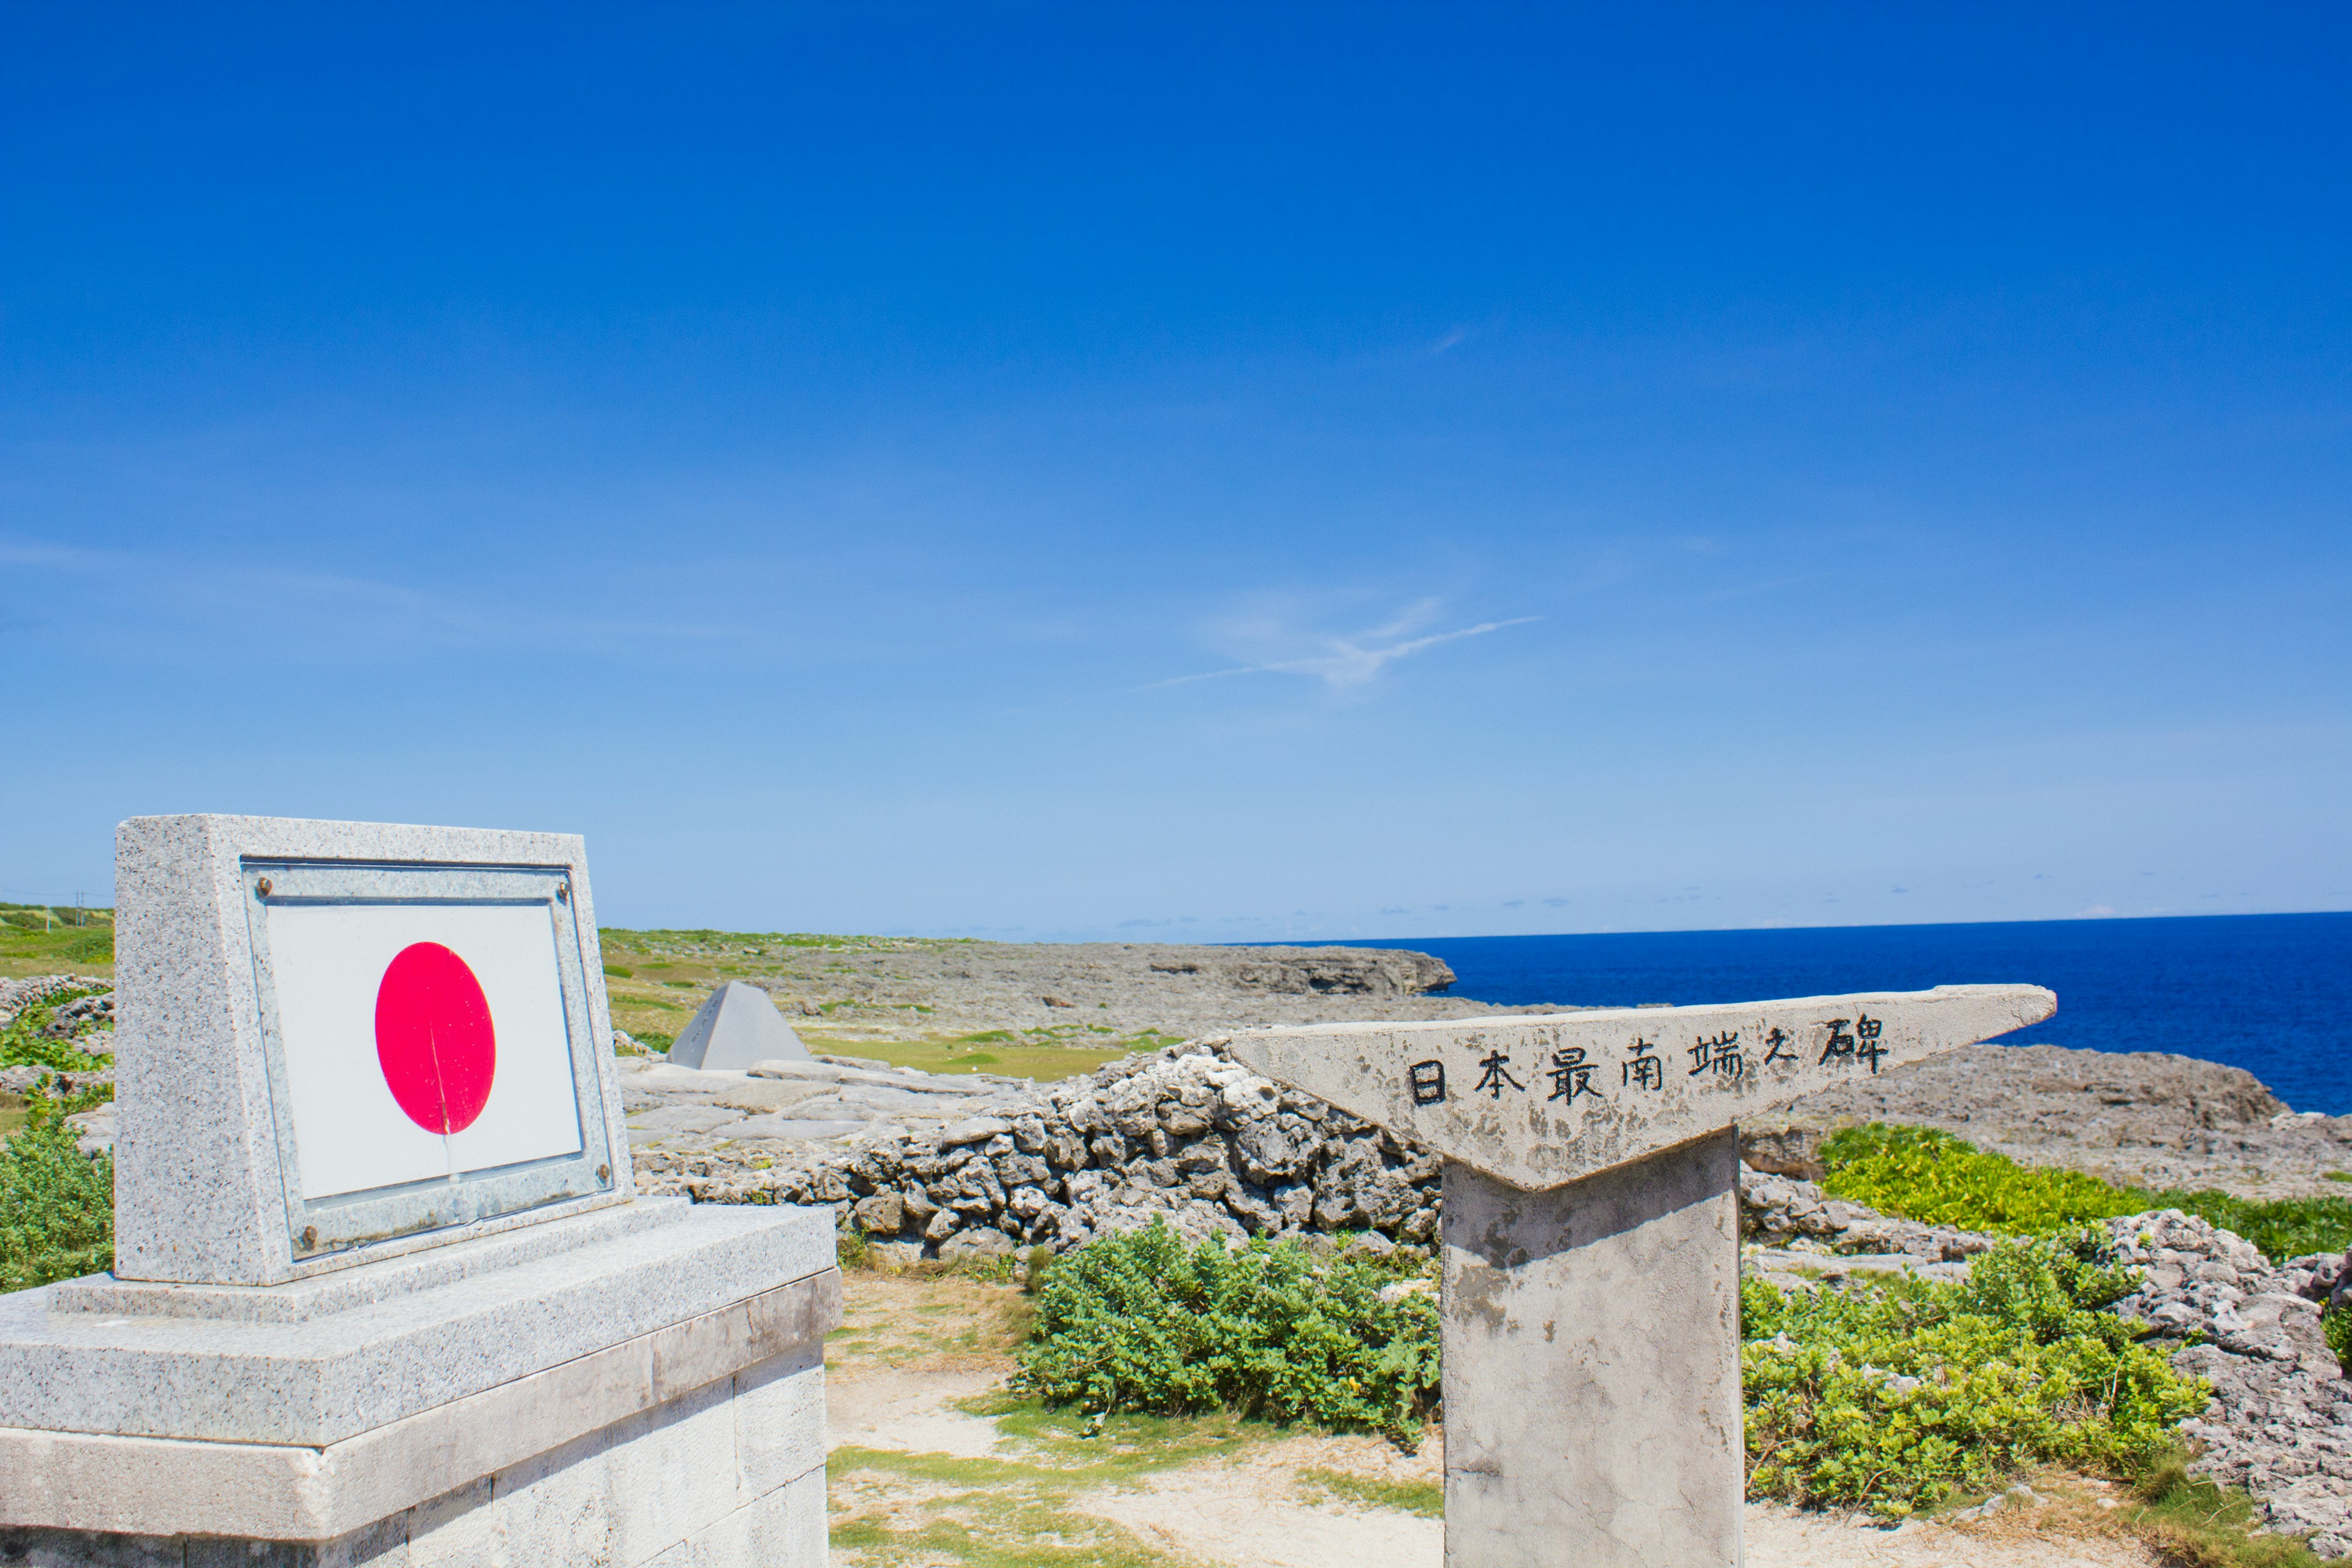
(1592, 1339)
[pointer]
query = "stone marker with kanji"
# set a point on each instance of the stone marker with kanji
(383, 1290)
(1590, 1305)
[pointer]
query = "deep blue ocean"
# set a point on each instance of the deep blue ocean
(2271, 993)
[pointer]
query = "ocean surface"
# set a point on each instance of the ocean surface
(2271, 993)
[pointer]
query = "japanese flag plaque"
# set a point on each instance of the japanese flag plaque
(428, 1042)
(409, 1042)
(1591, 1298)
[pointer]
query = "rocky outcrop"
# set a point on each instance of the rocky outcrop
(1797, 1233)
(1318, 971)
(88, 1022)
(15, 995)
(1184, 1134)
(885, 989)
(2281, 1420)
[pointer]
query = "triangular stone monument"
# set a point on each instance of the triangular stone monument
(736, 1028)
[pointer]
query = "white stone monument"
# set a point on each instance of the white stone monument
(1591, 1298)
(736, 1028)
(382, 1290)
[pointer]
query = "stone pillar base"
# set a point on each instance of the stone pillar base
(730, 1475)
(1592, 1336)
(331, 1441)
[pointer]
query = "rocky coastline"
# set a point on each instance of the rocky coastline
(916, 1167)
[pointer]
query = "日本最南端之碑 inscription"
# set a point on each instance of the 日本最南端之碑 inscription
(1590, 1305)
(1542, 1099)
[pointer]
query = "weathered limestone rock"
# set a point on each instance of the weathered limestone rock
(2281, 1420)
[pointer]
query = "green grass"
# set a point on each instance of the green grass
(1922, 1173)
(84, 949)
(1017, 1511)
(1046, 1062)
(1426, 1499)
(2197, 1524)
(739, 941)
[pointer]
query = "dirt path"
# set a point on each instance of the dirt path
(921, 1479)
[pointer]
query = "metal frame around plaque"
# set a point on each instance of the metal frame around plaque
(318, 1227)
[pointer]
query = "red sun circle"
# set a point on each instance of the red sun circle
(433, 1038)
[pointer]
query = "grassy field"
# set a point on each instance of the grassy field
(995, 1052)
(36, 941)
(656, 980)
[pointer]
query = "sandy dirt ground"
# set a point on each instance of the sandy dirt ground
(914, 1352)
(1241, 1518)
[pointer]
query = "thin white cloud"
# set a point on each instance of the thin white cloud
(1348, 663)
(178, 598)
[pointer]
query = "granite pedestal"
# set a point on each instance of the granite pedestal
(641, 1390)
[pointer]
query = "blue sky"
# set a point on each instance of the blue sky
(1195, 473)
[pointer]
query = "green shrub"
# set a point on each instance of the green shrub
(1931, 1176)
(1142, 1322)
(57, 1204)
(1922, 1173)
(852, 1249)
(22, 1043)
(2016, 1367)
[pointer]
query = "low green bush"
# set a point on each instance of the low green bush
(1144, 1322)
(1925, 1174)
(1892, 1395)
(24, 1044)
(57, 1204)
(1889, 1395)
